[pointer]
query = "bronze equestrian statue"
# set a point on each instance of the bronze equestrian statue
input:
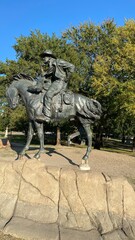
(50, 100)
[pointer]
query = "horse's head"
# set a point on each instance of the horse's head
(12, 96)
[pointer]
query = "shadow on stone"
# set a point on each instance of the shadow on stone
(53, 150)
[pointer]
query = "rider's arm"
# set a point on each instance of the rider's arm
(49, 72)
(67, 66)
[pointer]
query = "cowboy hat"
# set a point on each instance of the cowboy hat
(47, 53)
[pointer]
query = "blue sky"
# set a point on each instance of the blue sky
(19, 17)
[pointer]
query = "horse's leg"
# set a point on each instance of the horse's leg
(40, 131)
(85, 164)
(71, 136)
(29, 138)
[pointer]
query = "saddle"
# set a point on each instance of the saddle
(68, 97)
(61, 99)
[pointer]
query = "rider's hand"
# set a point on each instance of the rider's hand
(34, 89)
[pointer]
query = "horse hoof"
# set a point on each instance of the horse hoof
(84, 167)
(20, 157)
(37, 156)
(85, 157)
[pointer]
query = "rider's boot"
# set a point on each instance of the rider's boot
(46, 115)
(42, 118)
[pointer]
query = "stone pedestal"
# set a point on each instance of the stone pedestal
(69, 200)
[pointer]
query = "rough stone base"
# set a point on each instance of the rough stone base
(39, 202)
(29, 230)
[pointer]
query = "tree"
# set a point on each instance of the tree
(108, 68)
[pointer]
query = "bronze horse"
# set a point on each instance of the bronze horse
(67, 105)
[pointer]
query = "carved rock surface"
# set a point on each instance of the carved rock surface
(71, 201)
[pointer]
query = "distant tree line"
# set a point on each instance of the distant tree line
(104, 56)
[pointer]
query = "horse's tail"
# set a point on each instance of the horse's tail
(88, 108)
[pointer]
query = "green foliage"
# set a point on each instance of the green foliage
(18, 119)
(108, 69)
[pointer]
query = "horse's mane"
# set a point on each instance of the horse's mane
(24, 76)
(22, 82)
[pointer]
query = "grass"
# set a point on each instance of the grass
(115, 145)
(127, 152)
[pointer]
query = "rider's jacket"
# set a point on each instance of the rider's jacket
(59, 69)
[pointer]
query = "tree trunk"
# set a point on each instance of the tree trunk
(97, 144)
(123, 136)
(58, 137)
(98, 139)
(133, 145)
(6, 132)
